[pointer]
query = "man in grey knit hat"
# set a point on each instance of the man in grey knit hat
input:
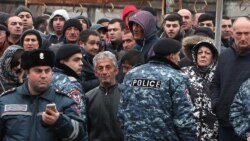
(26, 15)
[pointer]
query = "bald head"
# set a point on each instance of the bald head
(241, 32)
(240, 20)
(186, 18)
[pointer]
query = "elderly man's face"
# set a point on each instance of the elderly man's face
(106, 72)
(241, 33)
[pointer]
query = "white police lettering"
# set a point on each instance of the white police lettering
(41, 56)
(146, 83)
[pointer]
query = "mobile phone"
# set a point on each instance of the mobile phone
(51, 106)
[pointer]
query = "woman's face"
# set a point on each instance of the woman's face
(30, 42)
(204, 57)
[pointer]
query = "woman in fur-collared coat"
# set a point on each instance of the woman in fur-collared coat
(204, 56)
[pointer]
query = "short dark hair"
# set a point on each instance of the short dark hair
(225, 17)
(122, 23)
(102, 20)
(206, 17)
(133, 57)
(84, 35)
(127, 32)
(174, 17)
(39, 20)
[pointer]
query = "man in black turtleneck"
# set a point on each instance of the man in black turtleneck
(102, 101)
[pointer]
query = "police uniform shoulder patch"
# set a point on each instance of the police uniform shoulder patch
(8, 91)
(60, 92)
(146, 83)
(72, 79)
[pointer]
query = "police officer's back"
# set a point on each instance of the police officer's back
(154, 99)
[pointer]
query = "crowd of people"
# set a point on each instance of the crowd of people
(124, 79)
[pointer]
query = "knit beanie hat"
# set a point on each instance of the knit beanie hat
(98, 27)
(3, 26)
(33, 32)
(87, 20)
(4, 16)
(204, 31)
(166, 46)
(23, 9)
(72, 22)
(67, 50)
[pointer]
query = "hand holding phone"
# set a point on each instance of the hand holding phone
(51, 106)
(50, 115)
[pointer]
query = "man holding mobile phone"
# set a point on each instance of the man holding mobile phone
(26, 112)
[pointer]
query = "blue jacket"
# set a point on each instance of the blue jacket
(154, 104)
(66, 80)
(240, 111)
(21, 118)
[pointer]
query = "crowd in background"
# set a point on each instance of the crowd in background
(124, 78)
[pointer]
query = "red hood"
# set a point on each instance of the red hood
(127, 9)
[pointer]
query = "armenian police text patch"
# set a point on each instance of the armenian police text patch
(147, 83)
(15, 107)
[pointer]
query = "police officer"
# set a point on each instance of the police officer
(23, 111)
(154, 102)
